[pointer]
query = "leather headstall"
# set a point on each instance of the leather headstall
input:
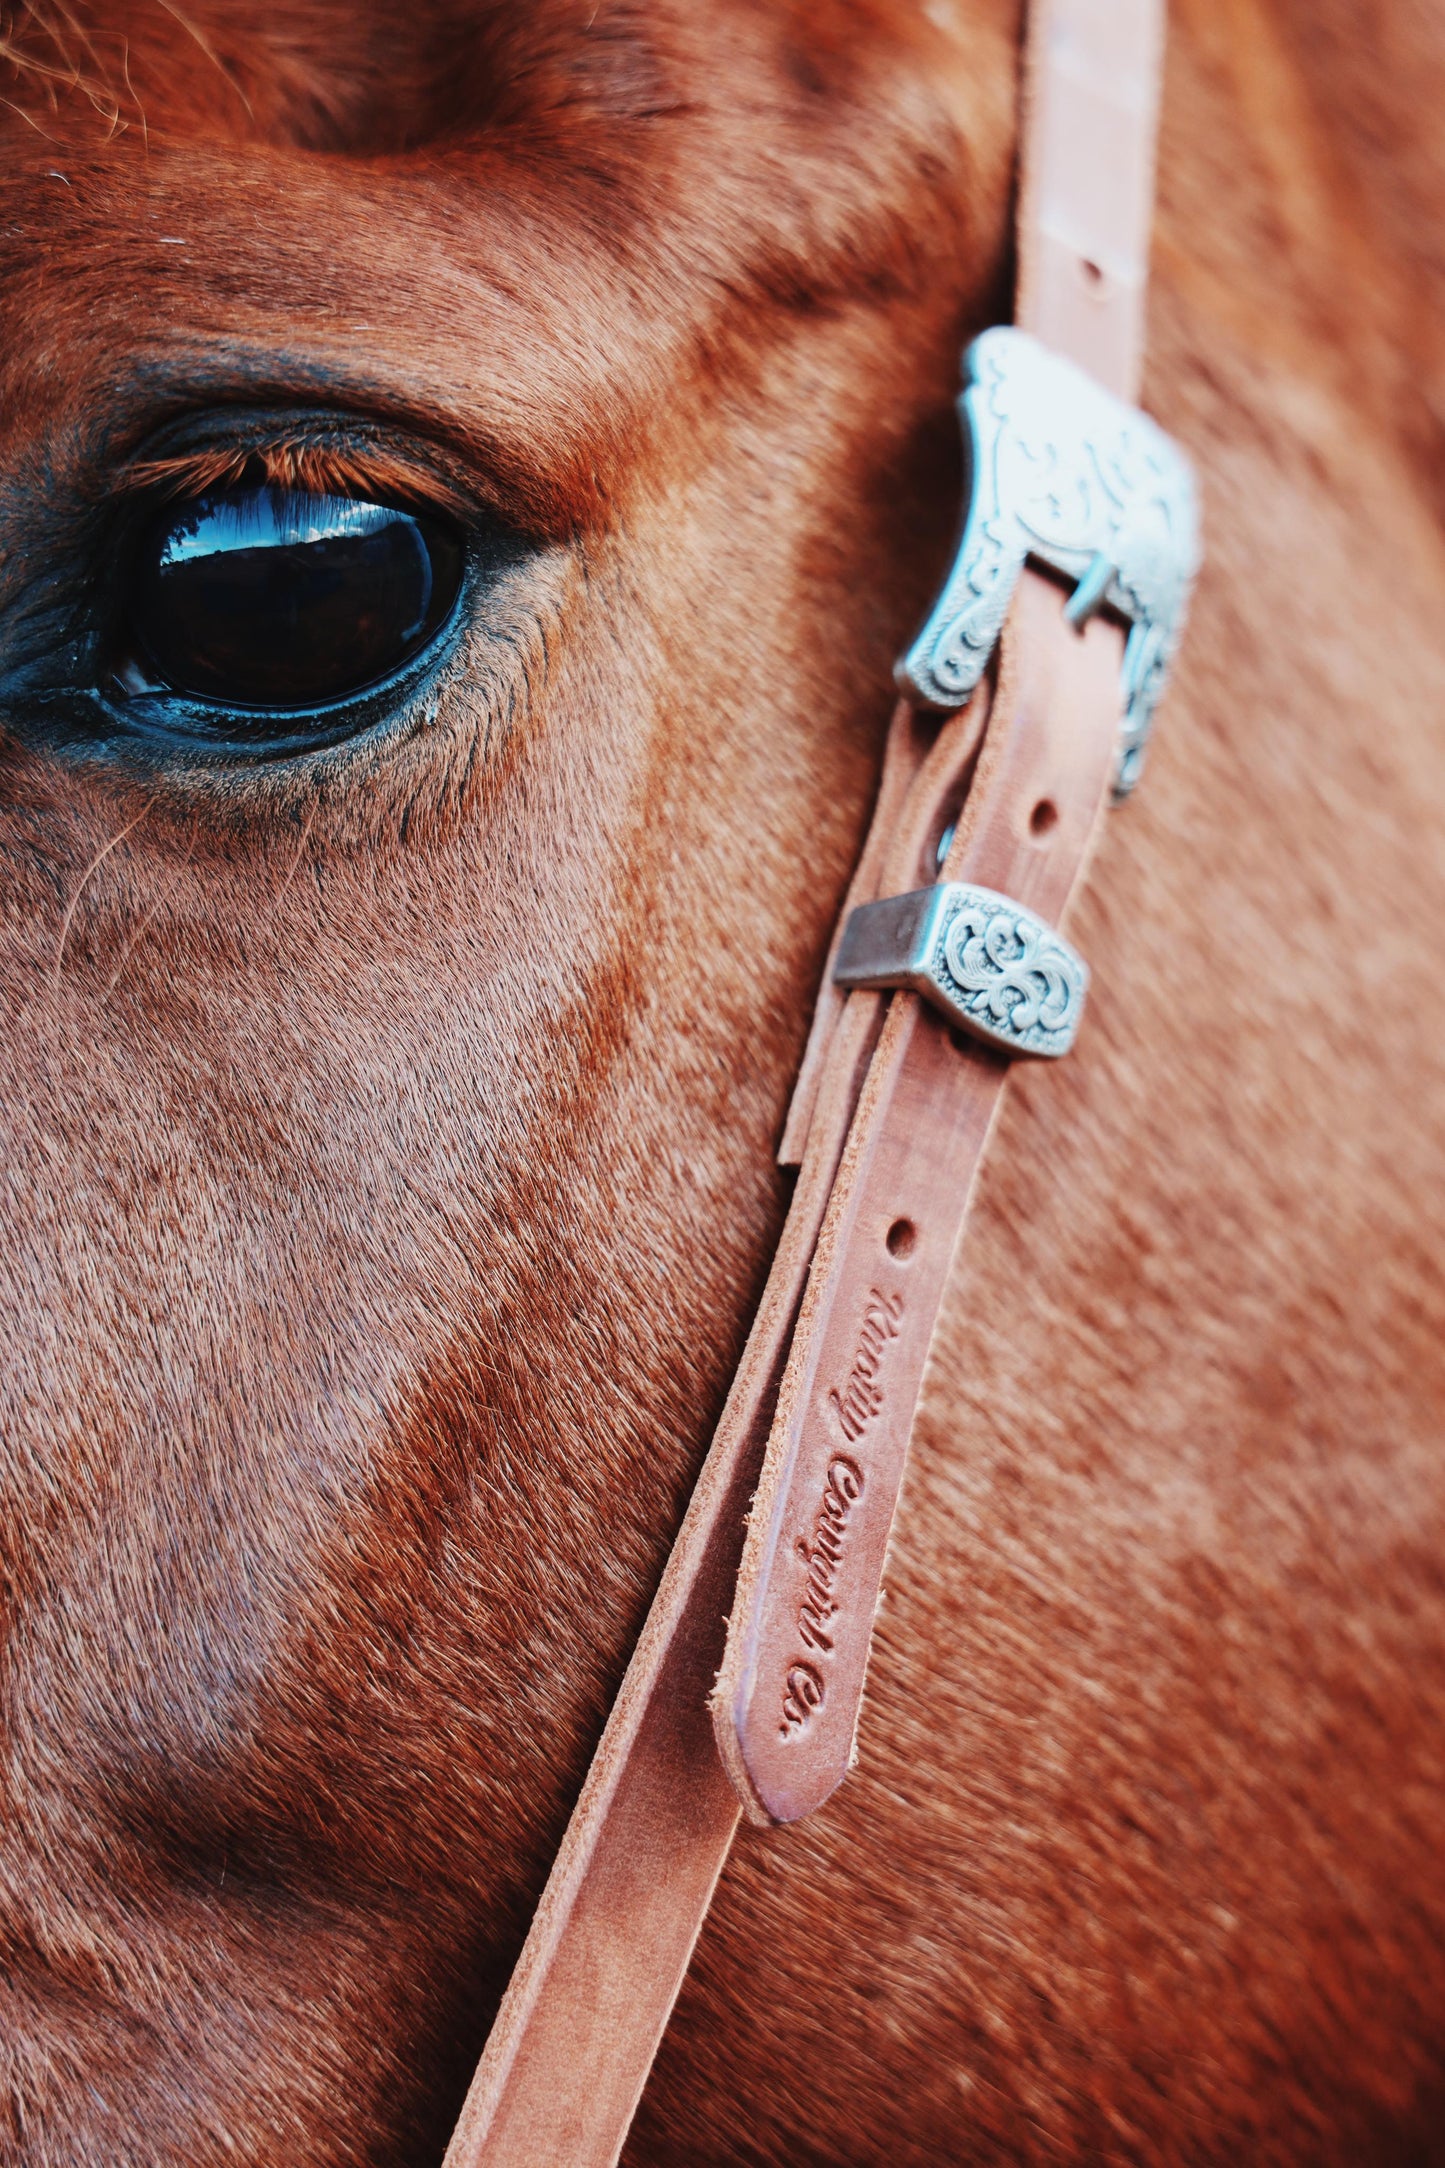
(1006, 745)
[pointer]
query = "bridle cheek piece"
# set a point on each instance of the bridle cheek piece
(1004, 749)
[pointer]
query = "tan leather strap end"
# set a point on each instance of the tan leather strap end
(787, 1698)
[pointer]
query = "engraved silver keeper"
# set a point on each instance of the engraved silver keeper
(1066, 474)
(992, 967)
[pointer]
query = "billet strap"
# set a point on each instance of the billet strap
(788, 1694)
(890, 1118)
(1092, 79)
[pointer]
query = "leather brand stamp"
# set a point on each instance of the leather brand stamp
(855, 1407)
(802, 1694)
(862, 1395)
(804, 1689)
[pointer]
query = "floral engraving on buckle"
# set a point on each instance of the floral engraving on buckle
(1065, 473)
(1010, 974)
(991, 966)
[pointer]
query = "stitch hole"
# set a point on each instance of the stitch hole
(902, 1238)
(1044, 818)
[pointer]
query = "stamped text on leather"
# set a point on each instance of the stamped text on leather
(803, 1690)
(862, 1395)
(854, 1407)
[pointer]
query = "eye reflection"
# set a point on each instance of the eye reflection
(281, 599)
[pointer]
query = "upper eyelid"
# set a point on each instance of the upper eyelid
(322, 461)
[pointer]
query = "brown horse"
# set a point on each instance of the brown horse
(395, 1052)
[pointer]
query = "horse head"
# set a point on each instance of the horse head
(407, 957)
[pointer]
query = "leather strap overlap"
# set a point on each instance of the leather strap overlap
(583, 2014)
(788, 1695)
(889, 1123)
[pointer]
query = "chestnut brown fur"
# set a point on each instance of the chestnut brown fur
(387, 1173)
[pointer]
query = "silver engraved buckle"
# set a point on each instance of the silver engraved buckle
(1063, 472)
(994, 968)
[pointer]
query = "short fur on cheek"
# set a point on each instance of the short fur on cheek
(393, 1136)
(388, 1176)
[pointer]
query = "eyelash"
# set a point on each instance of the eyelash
(313, 466)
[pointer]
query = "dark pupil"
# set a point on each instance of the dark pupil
(272, 598)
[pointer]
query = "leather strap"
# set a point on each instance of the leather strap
(889, 1122)
(791, 1684)
(580, 2023)
(1092, 77)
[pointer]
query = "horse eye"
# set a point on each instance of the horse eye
(276, 598)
